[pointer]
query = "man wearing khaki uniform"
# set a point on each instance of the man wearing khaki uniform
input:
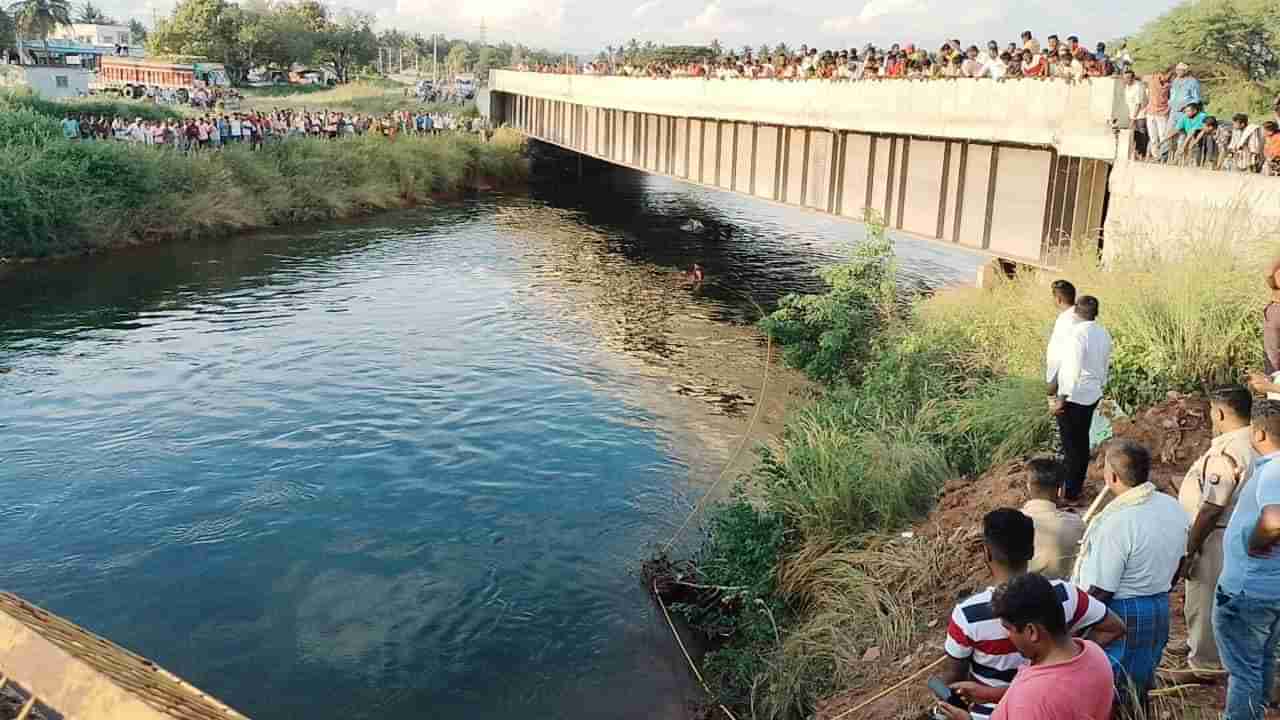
(1208, 494)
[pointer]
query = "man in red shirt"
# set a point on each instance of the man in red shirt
(1068, 678)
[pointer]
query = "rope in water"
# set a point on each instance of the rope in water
(692, 665)
(764, 388)
(875, 698)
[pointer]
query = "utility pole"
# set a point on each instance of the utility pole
(435, 59)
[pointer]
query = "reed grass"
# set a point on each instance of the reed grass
(58, 197)
(1183, 319)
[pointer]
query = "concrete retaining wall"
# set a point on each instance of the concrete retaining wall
(1074, 119)
(1159, 209)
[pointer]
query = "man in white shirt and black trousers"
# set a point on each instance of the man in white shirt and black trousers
(1082, 374)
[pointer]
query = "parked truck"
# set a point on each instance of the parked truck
(132, 77)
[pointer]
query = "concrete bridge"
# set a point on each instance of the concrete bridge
(1020, 170)
(1017, 170)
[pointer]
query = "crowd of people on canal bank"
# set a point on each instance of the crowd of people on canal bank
(1077, 619)
(1166, 108)
(254, 129)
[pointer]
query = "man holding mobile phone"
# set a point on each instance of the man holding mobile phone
(982, 658)
(1067, 677)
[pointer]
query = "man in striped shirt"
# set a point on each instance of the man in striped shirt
(982, 658)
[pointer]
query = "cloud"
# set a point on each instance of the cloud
(881, 8)
(644, 8)
(714, 19)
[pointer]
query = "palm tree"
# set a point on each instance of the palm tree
(93, 15)
(39, 18)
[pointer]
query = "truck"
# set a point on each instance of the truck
(132, 77)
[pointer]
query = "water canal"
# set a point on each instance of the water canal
(405, 467)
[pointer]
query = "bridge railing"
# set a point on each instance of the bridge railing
(1077, 119)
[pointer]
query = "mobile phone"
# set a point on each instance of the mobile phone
(946, 694)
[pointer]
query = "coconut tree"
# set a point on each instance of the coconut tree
(93, 15)
(39, 18)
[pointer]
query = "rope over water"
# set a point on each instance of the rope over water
(698, 508)
(764, 388)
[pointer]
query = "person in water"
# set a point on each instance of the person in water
(695, 273)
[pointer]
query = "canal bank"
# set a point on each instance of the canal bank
(62, 198)
(830, 586)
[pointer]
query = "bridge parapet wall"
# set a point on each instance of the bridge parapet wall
(1079, 120)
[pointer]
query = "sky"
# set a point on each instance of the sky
(589, 25)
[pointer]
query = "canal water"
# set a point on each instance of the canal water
(403, 467)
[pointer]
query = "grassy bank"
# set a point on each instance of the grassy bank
(358, 97)
(58, 197)
(946, 387)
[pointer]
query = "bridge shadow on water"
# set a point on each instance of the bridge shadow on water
(753, 251)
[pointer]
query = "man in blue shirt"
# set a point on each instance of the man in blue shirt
(1184, 90)
(1246, 612)
(71, 128)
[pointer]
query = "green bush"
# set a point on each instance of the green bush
(741, 554)
(830, 335)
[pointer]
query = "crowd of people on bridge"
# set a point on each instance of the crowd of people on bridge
(1166, 108)
(1167, 115)
(1026, 58)
(1077, 619)
(254, 129)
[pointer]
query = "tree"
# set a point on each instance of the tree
(345, 42)
(7, 39)
(204, 29)
(38, 18)
(93, 15)
(782, 49)
(517, 55)
(717, 48)
(459, 58)
(1239, 38)
(763, 53)
(137, 32)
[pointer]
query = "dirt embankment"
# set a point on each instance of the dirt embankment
(1176, 432)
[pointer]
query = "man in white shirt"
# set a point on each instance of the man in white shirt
(1082, 374)
(1129, 556)
(1137, 99)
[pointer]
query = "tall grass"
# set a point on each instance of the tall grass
(1180, 321)
(58, 197)
(830, 478)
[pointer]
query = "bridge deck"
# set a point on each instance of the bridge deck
(69, 672)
